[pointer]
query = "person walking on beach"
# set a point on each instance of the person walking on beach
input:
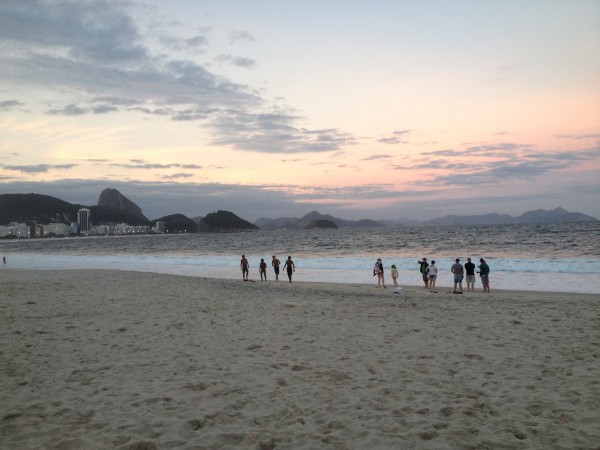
(290, 267)
(458, 271)
(423, 269)
(432, 272)
(262, 269)
(470, 276)
(484, 273)
(275, 263)
(244, 265)
(395, 275)
(378, 270)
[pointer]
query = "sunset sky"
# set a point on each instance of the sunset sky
(359, 109)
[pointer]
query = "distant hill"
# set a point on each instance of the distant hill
(45, 209)
(113, 199)
(291, 223)
(178, 223)
(558, 215)
(224, 222)
(41, 208)
(104, 215)
(321, 223)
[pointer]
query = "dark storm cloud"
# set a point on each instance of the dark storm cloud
(38, 168)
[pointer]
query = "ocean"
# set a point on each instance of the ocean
(536, 257)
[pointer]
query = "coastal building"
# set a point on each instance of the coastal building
(59, 229)
(14, 229)
(159, 227)
(84, 220)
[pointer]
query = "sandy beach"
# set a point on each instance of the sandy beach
(110, 359)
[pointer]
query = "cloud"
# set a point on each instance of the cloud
(92, 31)
(578, 136)
(94, 52)
(103, 109)
(238, 35)
(138, 164)
(376, 157)
(196, 43)
(39, 168)
(69, 110)
(396, 138)
(9, 104)
(160, 198)
(176, 176)
(274, 133)
(238, 61)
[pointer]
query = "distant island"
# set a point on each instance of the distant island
(36, 215)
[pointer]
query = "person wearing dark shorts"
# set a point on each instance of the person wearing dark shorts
(275, 263)
(244, 265)
(289, 265)
(424, 264)
(262, 269)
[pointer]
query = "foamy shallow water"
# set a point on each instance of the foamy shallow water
(533, 275)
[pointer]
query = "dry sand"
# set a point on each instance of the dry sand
(107, 359)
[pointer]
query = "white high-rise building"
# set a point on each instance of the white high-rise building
(84, 219)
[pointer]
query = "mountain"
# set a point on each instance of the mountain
(104, 215)
(317, 224)
(45, 209)
(291, 223)
(482, 219)
(41, 208)
(558, 215)
(113, 199)
(224, 222)
(178, 223)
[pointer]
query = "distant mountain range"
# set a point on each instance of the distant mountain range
(557, 215)
(114, 207)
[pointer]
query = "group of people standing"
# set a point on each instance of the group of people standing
(429, 273)
(378, 270)
(288, 265)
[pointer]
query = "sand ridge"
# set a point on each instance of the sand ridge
(111, 359)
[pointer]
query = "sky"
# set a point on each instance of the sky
(380, 109)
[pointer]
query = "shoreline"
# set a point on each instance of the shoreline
(115, 359)
(298, 281)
